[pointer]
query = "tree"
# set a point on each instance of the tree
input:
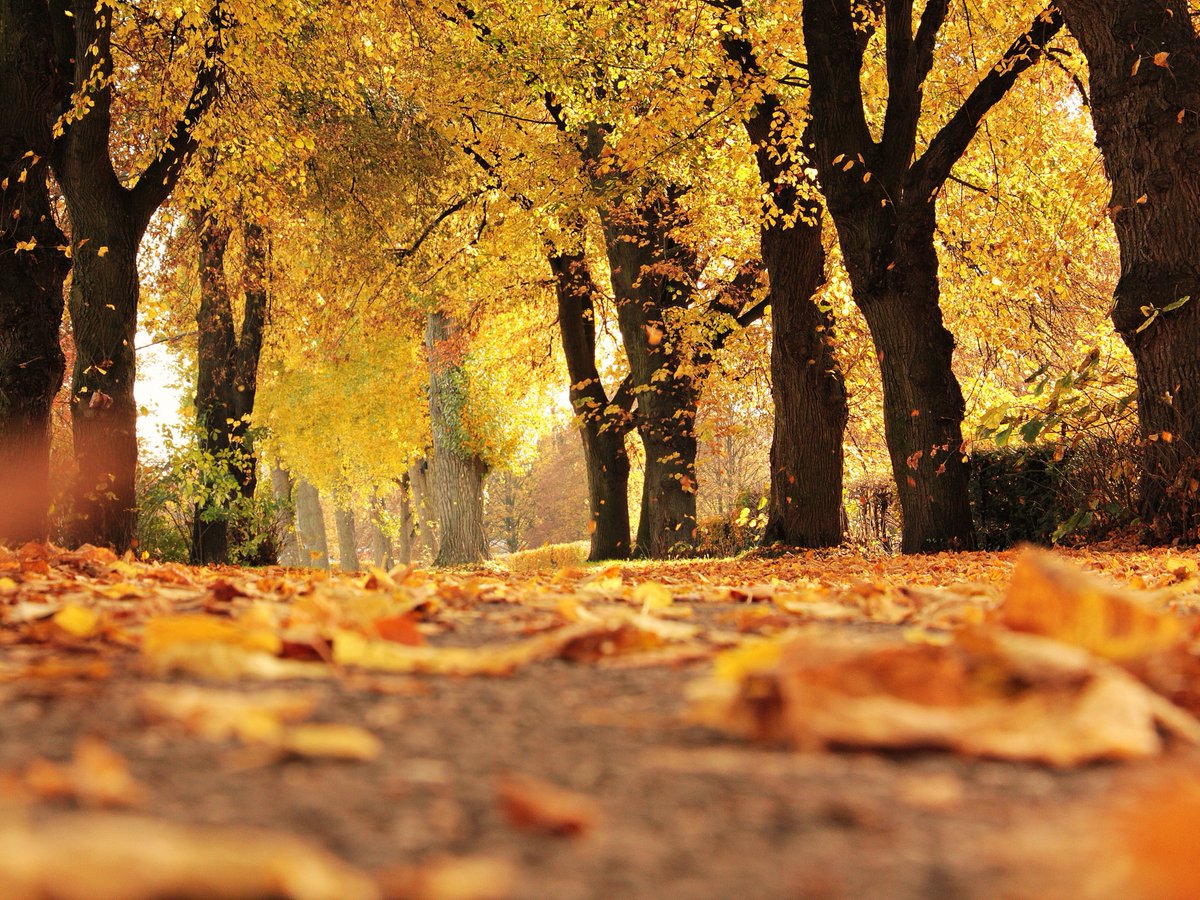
(809, 393)
(109, 212)
(1144, 80)
(227, 380)
(603, 420)
(457, 471)
(33, 268)
(882, 197)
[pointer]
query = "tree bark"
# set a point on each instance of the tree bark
(347, 539)
(227, 382)
(603, 421)
(650, 277)
(310, 521)
(33, 268)
(458, 473)
(281, 486)
(809, 393)
(883, 202)
(108, 220)
(425, 536)
(1144, 79)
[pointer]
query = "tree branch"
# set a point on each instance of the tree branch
(930, 172)
(159, 178)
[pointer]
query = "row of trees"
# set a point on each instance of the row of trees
(359, 197)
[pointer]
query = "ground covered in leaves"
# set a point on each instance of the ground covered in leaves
(822, 725)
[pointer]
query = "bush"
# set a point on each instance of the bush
(550, 556)
(737, 531)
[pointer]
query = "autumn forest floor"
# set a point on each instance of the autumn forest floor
(817, 726)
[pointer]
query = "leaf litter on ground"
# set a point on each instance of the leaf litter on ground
(1024, 656)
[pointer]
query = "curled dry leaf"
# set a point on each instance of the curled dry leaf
(993, 694)
(1050, 597)
(119, 857)
(536, 805)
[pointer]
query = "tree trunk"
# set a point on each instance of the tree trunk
(281, 485)
(347, 539)
(1147, 119)
(458, 473)
(226, 383)
(882, 198)
(648, 270)
(425, 543)
(811, 411)
(32, 272)
(603, 422)
(314, 546)
(108, 220)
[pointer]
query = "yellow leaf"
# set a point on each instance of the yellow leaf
(330, 739)
(1160, 58)
(77, 620)
(1051, 598)
(167, 631)
(651, 595)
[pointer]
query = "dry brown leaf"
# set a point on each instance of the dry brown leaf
(96, 776)
(1049, 597)
(451, 878)
(536, 805)
(218, 715)
(117, 857)
(999, 694)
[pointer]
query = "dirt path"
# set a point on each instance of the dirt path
(671, 809)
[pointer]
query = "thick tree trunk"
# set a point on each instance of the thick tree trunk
(310, 521)
(1147, 119)
(882, 198)
(108, 220)
(103, 304)
(32, 272)
(641, 253)
(811, 411)
(281, 486)
(603, 421)
(226, 383)
(458, 473)
(347, 539)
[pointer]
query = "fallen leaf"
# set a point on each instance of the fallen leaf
(106, 856)
(536, 805)
(1047, 596)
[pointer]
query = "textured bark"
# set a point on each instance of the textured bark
(425, 535)
(281, 486)
(457, 473)
(1147, 119)
(310, 522)
(809, 394)
(650, 277)
(32, 271)
(108, 220)
(347, 539)
(886, 226)
(227, 379)
(603, 421)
